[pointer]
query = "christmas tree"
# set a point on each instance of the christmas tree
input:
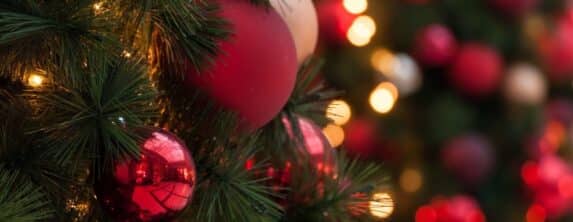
(201, 110)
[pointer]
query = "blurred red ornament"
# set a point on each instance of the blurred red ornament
(255, 72)
(476, 70)
(334, 21)
(560, 110)
(470, 158)
(156, 187)
(556, 49)
(435, 46)
(457, 209)
(361, 138)
(514, 8)
(536, 213)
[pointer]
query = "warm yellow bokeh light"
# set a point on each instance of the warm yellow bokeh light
(381, 205)
(383, 60)
(361, 31)
(383, 98)
(355, 6)
(98, 7)
(411, 180)
(36, 78)
(334, 134)
(339, 111)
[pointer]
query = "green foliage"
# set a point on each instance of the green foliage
(99, 117)
(21, 200)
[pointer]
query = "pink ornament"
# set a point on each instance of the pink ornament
(435, 46)
(256, 71)
(361, 138)
(156, 187)
(476, 70)
(469, 157)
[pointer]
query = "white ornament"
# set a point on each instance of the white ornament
(302, 21)
(525, 84)
(405, 74)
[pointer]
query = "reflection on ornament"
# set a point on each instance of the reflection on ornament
(355, 6)
(536, 213)
(361, 31)
(383, 98)
(334, 134)
(405, 74)
(36, 78)
(383, 60)
(381, 205)
(339, 111)
(524, 84)
(411, 180)
(156, 187)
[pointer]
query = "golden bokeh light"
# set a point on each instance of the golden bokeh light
(98, 7)
(383, 98)
(383, 61)
(361, 31)
(339, 111)
(355, 6)
(334, 134)
(381, 205)
(411, 180)
(36, 78)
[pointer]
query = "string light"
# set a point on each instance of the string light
(334, 134)
(339, 111)
(361, 31)
(98, 7)
(383, 98)
(381, 205)
(411, 180)
(126, 54)
(355, 6)
(383, 60)
(36, 78)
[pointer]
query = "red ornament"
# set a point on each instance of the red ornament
(514, 8)
(457, 209)
(469, 157)
(476, 70)
(256, 71)
(361, 138)
(556, 50)
(154, 188)
(435, 46)
(334, 21)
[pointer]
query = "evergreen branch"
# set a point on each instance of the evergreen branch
(99, 117)
(227, 190)
(21, 200)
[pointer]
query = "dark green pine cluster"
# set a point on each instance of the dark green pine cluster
(110, 67)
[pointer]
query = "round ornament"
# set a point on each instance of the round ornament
(156, 187)
(255, 72)
(469, 157)
(435, 46)
(476, 70)
(525, 84)
(301, 18)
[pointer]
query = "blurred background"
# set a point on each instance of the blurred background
(468, 103)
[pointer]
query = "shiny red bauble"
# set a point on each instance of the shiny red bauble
(456, 209)
(156, 187)
(476, 70)
(469, 157)
(434, 46)
(514, 8)
(255, 72)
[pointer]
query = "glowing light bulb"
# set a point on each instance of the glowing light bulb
(334, 134)
(383, 60)
(411, 180)
(383, 98)
(361, 31)
(355, 6)
(339, 111)
(126, 54)
(98, 7)
(36, 78)
(381, 205)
